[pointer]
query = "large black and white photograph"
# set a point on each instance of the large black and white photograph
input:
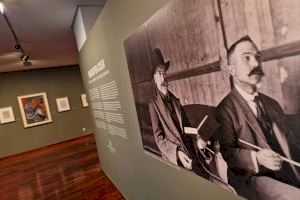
(216, 85)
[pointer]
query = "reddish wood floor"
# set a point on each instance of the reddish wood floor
(68, 170)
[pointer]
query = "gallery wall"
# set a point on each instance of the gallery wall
(56, 82)
(137, 174)
(194, 36)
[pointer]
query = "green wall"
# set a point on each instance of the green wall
(56, 82)
(137, 174)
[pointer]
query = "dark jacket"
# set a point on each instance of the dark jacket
(169, 136)
(239, 122)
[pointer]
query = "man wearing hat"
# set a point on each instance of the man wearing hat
(168, 121)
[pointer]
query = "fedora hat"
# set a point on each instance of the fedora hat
(158, 60)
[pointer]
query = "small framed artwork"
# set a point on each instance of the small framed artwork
(84, 100)
(63, 104)
(6, 115)
(34, 109)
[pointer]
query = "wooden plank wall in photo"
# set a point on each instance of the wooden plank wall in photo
(187, 32)
(188, 35)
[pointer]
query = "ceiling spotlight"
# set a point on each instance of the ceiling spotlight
(17, 46)
(27, 63)
(24, 57)
(1, 7)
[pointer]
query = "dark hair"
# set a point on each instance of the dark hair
(233, 46)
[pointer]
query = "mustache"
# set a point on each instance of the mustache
(164, 84)
(256, 71)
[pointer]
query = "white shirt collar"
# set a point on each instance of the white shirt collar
(247, 96)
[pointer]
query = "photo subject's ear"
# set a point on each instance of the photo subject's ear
(231, 69)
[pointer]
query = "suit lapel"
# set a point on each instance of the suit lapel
(161, 106)
(251, 120)
(166, 115)
(282, 140)
(177, 108)
(280, 136)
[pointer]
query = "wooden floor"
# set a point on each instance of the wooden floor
(68, 170)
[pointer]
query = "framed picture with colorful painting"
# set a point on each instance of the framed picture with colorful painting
(34, 109)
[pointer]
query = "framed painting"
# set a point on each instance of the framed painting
(6, 115)
(34, 109)
(84, 100)
(63, 104)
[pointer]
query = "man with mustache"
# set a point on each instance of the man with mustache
(258, 119)
(168, 121)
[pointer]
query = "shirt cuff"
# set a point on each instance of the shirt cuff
(254, 161)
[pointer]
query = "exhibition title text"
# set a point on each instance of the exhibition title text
(97, 68)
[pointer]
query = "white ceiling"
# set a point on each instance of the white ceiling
(44, 29)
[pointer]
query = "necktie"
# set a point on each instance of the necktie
(262, 118)
(266, 126)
